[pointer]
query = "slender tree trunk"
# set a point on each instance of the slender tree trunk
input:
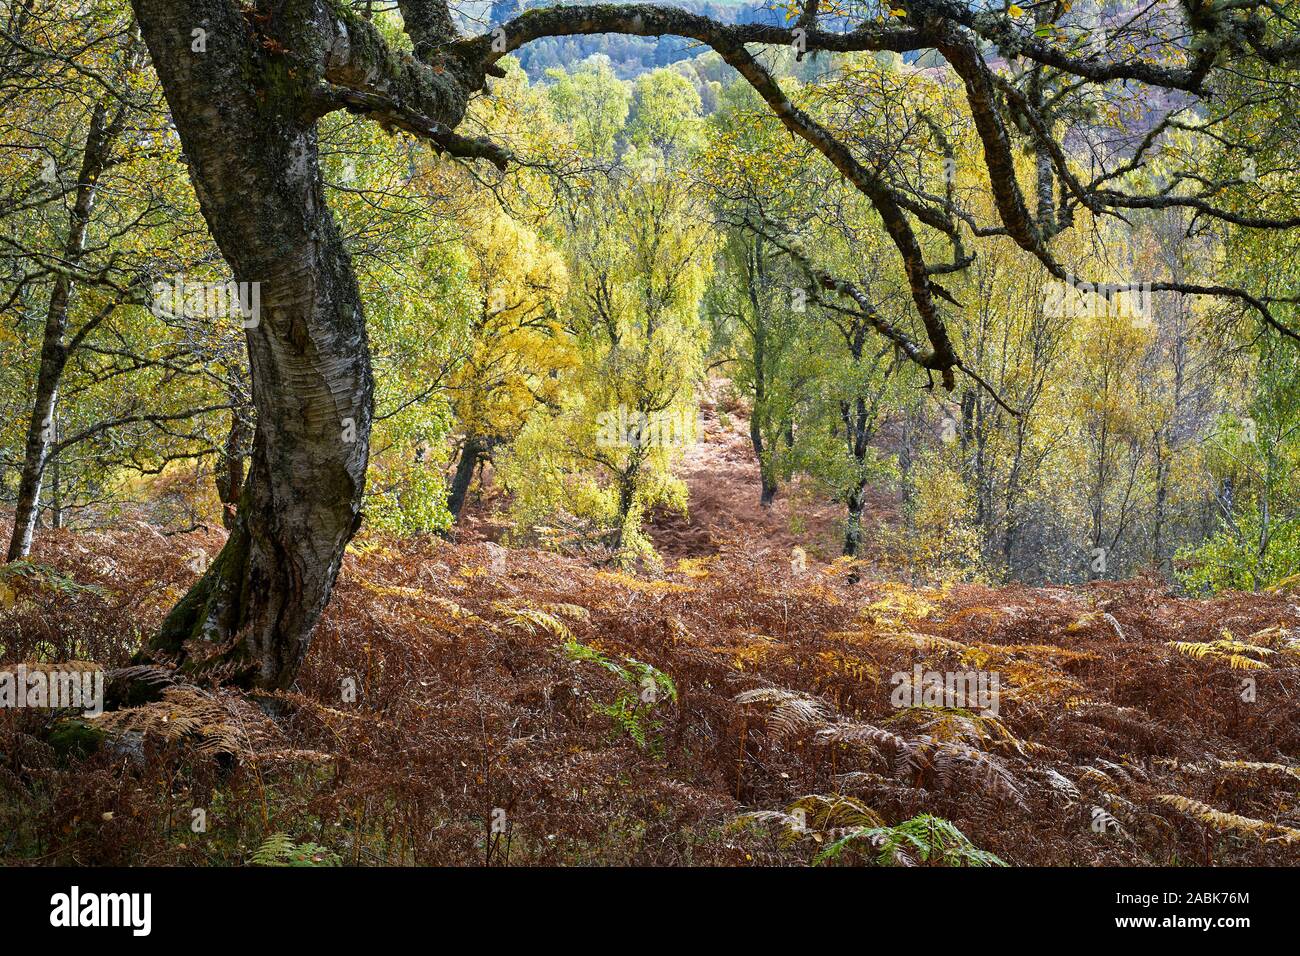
(54, 353)
(56, 485)
(1012, 504)
(757, 287)
(766, 479)
(627, 481)
(1158, 516)
(246, 123)
(853, 528)
(470, 454)
(905, 456)
(40, 433)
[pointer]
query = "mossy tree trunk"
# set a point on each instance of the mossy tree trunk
(246, 122)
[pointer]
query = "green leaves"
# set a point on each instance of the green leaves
(632, 710)
(925, 838)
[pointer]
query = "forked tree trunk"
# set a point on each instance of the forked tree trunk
(244, 117)
(859, 428)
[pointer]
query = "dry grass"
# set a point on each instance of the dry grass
(467, 702)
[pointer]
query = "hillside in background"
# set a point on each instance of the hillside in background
(630, 56)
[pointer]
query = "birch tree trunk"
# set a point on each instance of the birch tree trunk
(54, 352)
(249, 133)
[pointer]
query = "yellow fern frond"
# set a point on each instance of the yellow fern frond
(694, 567)
(574, 612)
(1222, 820)
(1245, 766)
(643, 585)
(533, 620)
(1227, 650)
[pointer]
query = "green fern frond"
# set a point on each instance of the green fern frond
(923, 838)
(280, 849)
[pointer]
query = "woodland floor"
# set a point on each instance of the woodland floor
(468, 703)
